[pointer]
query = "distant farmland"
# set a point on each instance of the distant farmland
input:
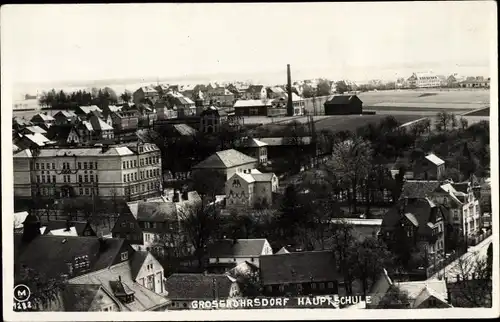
(336, 123)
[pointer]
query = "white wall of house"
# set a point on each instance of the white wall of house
(151, 275)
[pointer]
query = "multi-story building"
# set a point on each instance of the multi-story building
(147, 222)
(297, 102)
(255, 92)
(145, 93)
(125, 120)
(65, 117)
(421, 222)
(211, 119)
(248, 189)
(130, 171)
(424, 80)
(254, 148)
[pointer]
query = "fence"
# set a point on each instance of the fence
(473, 241)
(443, 262)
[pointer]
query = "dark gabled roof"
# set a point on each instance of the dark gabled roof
(136, 262)
(198, 286)
(60, 224)
(341, 99)
(419, 188)
(418, 211)
(78, 297)
(156, 211)
(254, 88)
(300, 267)
(48, 254)
(145, 299)
(60, 133)
(462, 186)
(225, 159)
(66, 114)
(238, 248)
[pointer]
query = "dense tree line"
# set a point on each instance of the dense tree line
(62, 100)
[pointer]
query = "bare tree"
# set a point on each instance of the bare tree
(473, 281)
(44, 289)
(464, 124)
(351, 161)
(199, 223)
(443, 120)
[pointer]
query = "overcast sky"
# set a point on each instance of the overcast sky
(52, 43)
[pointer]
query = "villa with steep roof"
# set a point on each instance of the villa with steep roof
(419, 221)
(148, 221)
(227, 162)
(249, 189)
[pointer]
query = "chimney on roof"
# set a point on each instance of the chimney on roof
(289, 107)
(68, 225)
(102, 244)
(176, 196)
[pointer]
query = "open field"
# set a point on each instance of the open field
(426, 97)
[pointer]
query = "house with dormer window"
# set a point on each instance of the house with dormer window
(422, 222)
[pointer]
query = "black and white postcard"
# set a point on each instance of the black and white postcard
(242, 161)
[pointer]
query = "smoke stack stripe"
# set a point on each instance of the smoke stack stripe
(289, 107)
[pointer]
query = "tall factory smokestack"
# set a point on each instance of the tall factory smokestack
(289, 105)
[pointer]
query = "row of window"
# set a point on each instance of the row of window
(146, 224)
(142, 187)
(88, 191)
(151, 173)
(142, 162)
(314, 286)
(86, 177)
(65, 166)
(45, 179)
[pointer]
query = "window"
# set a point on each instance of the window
(330, 285)
(135, 176)
(128, 177)
(79, 165)
(37, 166)
(281, 288)
(54, 179)
(124, 178)
(91, 165)
(91, 178)
(86, 178)
(135, 163)
(43, 179)
(86, 191)
(124, 256)
(81, 191)
(43, 166)
(85, 165)
(131, 225)
(313, 286)
(53, 166)
(124, 167)
(321, 286)
(96, 165)
(48, 179)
